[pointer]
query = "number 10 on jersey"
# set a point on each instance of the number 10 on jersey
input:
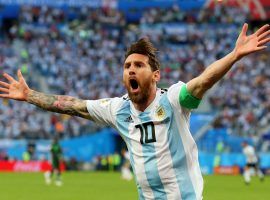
(145, 128)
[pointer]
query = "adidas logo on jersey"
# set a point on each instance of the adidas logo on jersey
(129, 119)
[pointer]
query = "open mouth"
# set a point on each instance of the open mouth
(134, 84)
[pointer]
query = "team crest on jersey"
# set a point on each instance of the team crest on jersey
(104, 102)
(160, 113)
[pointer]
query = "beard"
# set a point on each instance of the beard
(142, 96)
(139, 98)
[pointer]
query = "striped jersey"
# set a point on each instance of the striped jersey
(250, 154)
(163, 154)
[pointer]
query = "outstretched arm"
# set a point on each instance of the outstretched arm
(244, 46)
(19, 90)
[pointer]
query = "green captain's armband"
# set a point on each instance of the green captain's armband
(187, 100)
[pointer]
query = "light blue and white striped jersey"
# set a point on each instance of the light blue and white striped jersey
(163, 154)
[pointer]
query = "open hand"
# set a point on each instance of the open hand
(252, 43)
(13, 89)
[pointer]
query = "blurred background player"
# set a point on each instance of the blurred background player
(252, 163)
(125, 170)
(56, 156)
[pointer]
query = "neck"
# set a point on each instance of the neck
(142, 106)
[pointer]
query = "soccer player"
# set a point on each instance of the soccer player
(125, 170)
(153, 122)
(252, 162)
(56, 156)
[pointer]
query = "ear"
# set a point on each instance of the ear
(156, 76)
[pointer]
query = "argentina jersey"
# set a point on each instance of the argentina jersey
(163, 154)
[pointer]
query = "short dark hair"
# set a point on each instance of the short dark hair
(145, 47)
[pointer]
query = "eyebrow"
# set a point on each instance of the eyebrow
(139, 62)
(135, 62)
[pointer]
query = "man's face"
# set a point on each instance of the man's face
(138, 77)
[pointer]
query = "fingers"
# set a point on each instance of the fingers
(4, 95)
(264, 35)
(262, 29)
(6, 85)
(261, 48)
(264, 41)
(4, 90)
(244, 29)
(19, 74)
(8, 77)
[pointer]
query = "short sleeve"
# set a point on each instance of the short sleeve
(103, 111)
(179, 96)
(187, 100)
(173, 93)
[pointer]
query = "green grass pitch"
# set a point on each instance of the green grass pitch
(109, 186)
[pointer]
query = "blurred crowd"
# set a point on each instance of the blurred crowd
(80, 52)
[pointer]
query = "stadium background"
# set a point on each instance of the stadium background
(76, 48)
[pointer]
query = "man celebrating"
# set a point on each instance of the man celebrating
(153, 122)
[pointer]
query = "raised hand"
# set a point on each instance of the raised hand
(13, 89)
(252, 43)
